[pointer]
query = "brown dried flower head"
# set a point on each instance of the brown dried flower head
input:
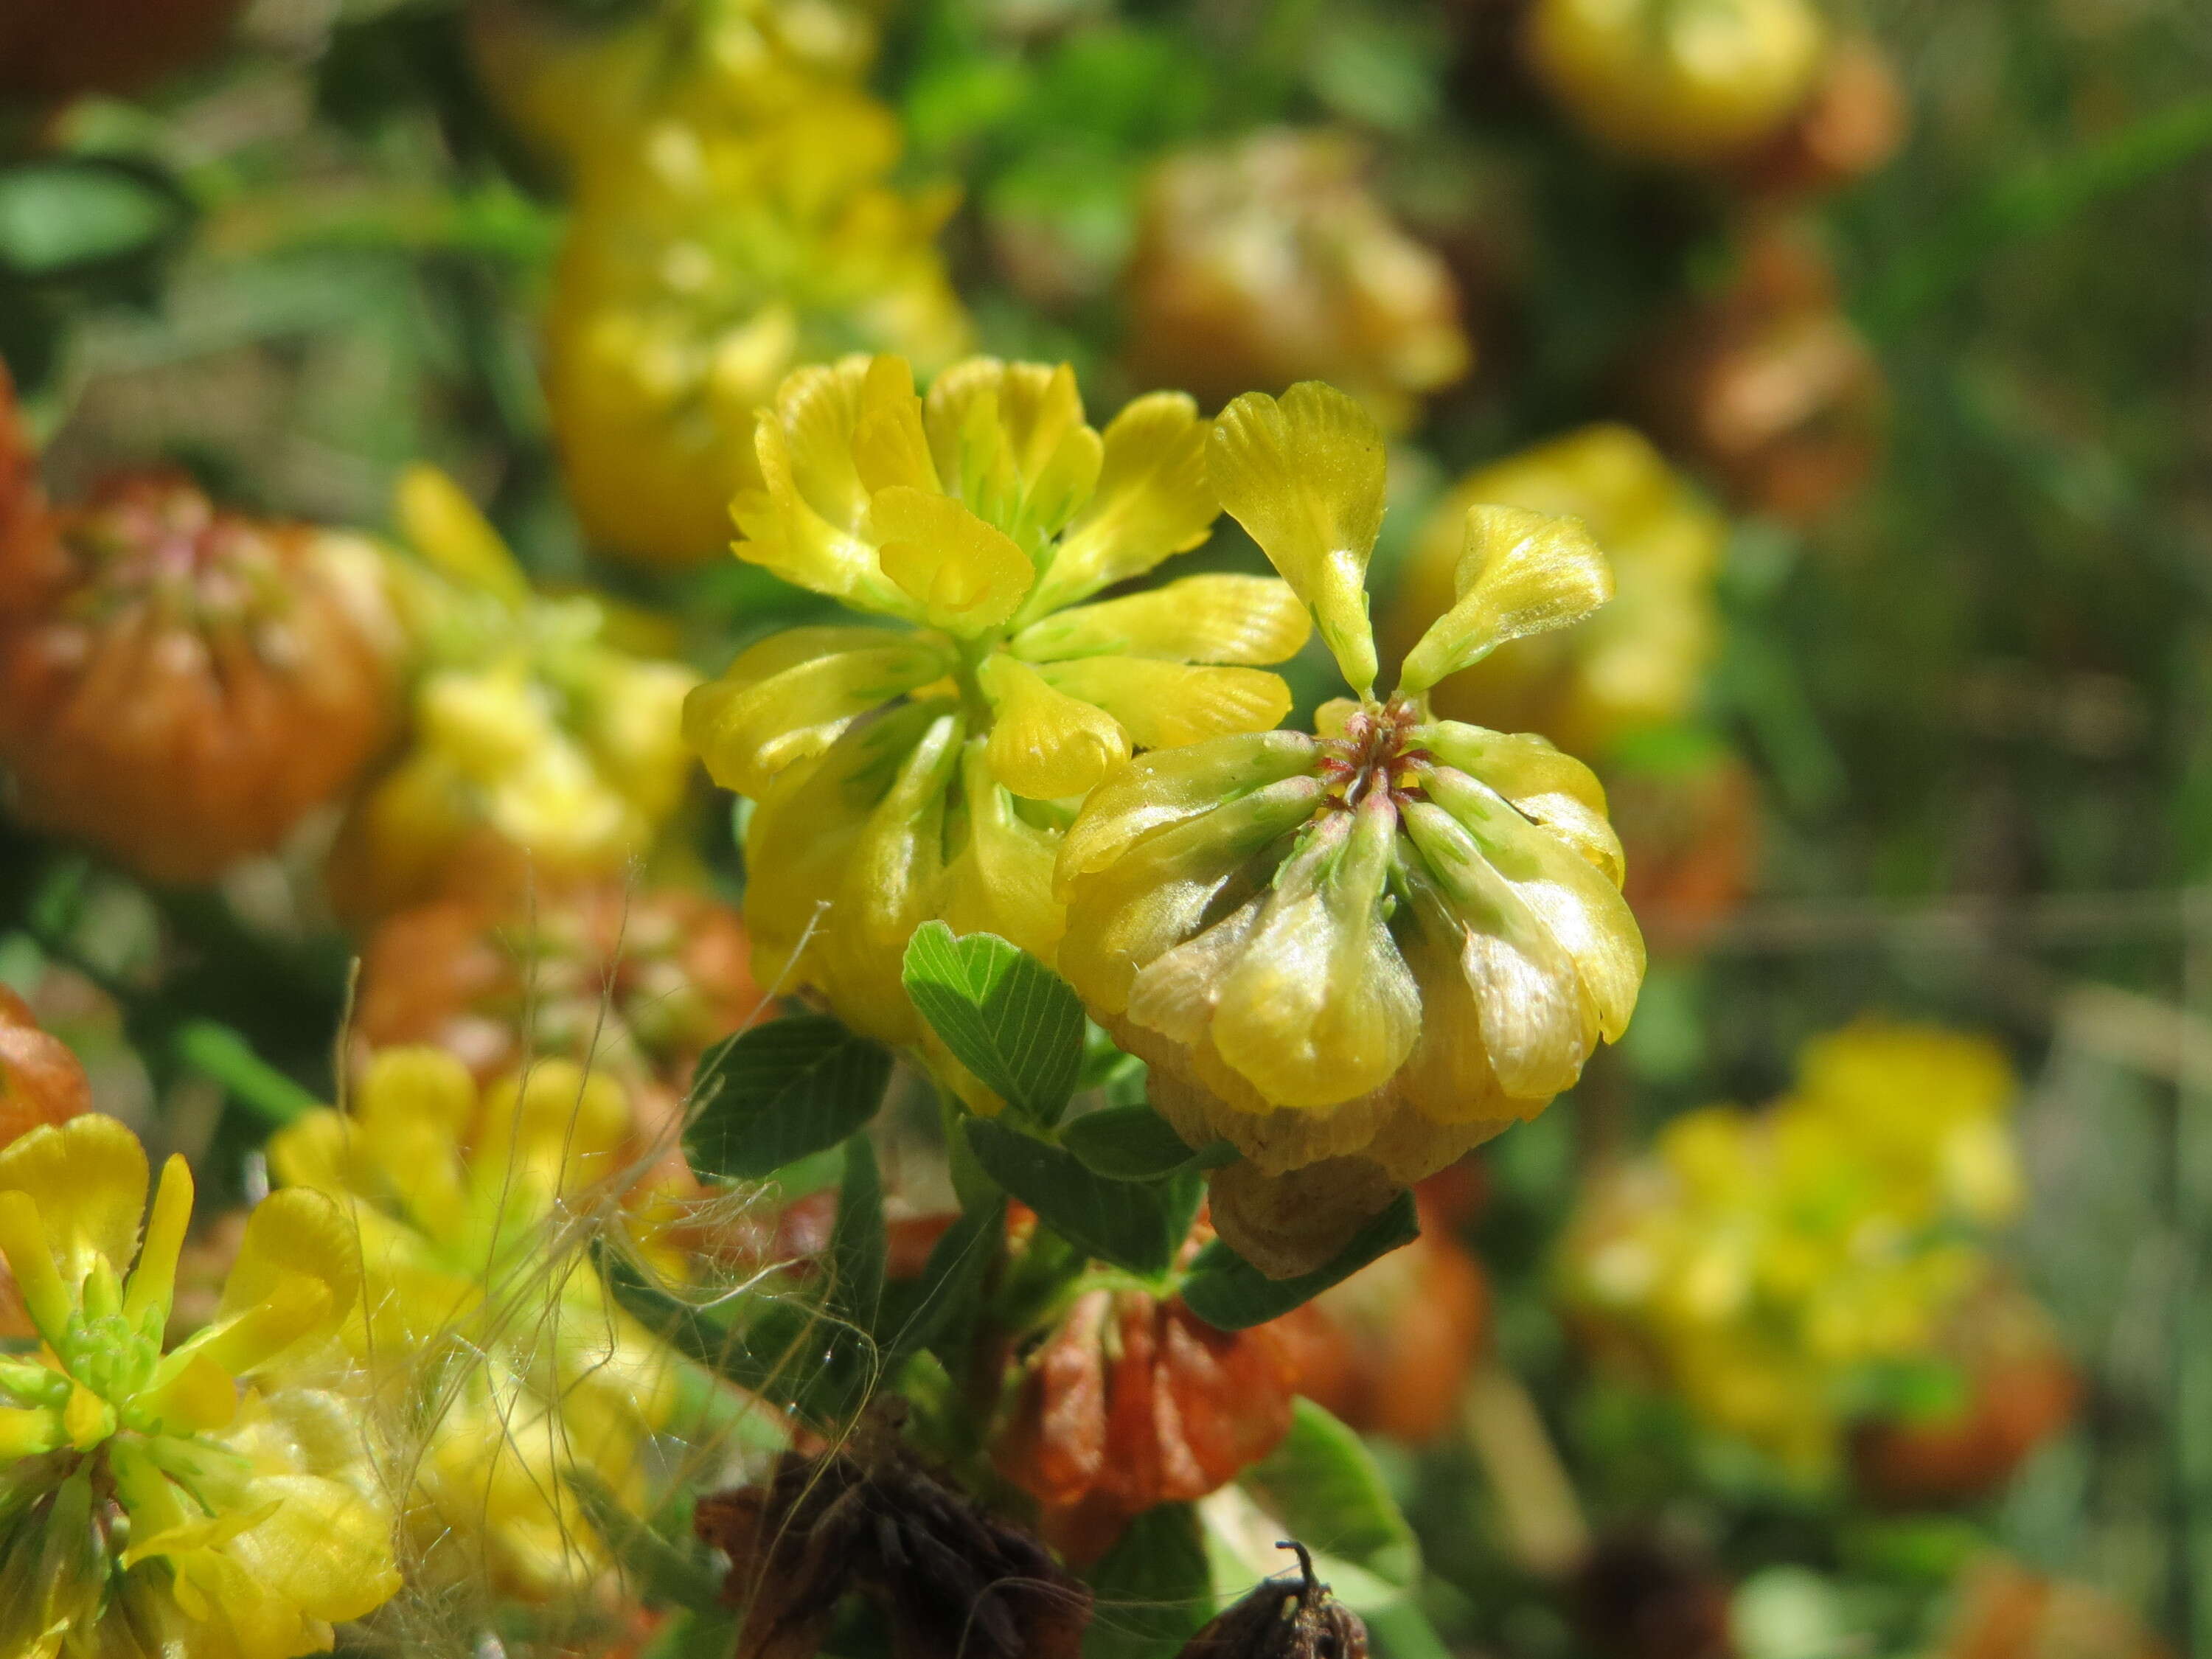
(1283, 1619)
(40, 1083)
(180, 684)
(1770, 385)
(951, 1580)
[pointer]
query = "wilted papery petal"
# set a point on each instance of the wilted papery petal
(1161, 788)
(1448, 1077)
(1165, 705)
(788, 697)
(1220, 619)
(1581, 908)
(1157, 894)
(965, 575)
(1153, 500)
(1304, 476)
(1319, 1008)
(1555, 789)
(1044, 744)
(1521, 572)
(1538, 1022)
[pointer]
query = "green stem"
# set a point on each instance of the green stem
(217, 1052)
(2028, 206)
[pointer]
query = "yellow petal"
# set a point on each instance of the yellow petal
(1163, 705)
(788, 698)
(808, 522)
(323, 1549)
(557, 1122)
(1153, 499)
(1208, 619)
(887, 889)
(1581, 909)
(439, 522)
(1555, 789)
(30, 1254)
(1305, 477)
(1319, 1008)
(889, 446)
(1160, 891)
(153, 1282)
(295, 1234)
(1520, 573)
(1171, 786)
(1044, 744)
(1538, 1022)
(805, 829)
(1011, 439)
(963, 574)
(1001, 880)
(86, 1179)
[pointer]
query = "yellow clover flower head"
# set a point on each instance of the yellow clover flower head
(1358, 953)
(1639, 662)
(925, 766)
(188, 1501)
(1759, 1262)
(706, 260)
(538, 743)
(485, 1326)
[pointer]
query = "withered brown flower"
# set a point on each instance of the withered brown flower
(1132, 1401)
(41, 1082)
(2003, 1610)
(1283, 1619)
(178, 683)
(951, 1580)
(638, 981)
(1639, 1596)
(1852, 124)
(1692, 836)
(1769, 385)
(2021, 1390)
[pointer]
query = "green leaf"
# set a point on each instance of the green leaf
(1154, 1588)
(1230, 1294)
(856, 1239)
(66, 213)
(1130, 1225)
(772, 1095)
(1004, 1015)
(663, 1572)
(1134, 1143)
(939, 1311)
(1321, 1487)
